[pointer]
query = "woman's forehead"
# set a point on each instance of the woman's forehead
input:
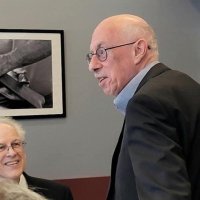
(7, 131)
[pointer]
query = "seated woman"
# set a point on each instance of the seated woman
(13, 161)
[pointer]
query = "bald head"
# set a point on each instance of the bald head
(124, 21)
(126, 27)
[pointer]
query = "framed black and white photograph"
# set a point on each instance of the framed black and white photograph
(32, 73)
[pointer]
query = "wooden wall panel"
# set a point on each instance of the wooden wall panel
(94, 188)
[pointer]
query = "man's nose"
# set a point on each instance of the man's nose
(94, 64)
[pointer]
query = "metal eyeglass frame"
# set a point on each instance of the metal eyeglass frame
(89, 55)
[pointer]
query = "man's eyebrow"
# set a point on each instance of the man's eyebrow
(98, 46)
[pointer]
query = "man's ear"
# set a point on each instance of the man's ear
(140, 50)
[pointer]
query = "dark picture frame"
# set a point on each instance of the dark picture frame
(34, 83)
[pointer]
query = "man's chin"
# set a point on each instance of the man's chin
(107, 93)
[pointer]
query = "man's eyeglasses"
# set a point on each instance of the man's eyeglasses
(101, 52)
(16, 145)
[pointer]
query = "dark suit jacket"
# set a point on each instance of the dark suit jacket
(49, 189)
(158, 153)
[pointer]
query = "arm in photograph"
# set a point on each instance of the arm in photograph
(24, 52)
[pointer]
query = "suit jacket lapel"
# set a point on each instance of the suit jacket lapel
(28, 179)
(154, 71)
(114, 165)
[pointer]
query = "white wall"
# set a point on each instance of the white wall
(82, 144)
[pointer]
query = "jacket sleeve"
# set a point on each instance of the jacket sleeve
(68, 194)
(155, 150)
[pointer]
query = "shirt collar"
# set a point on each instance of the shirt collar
(23, 181)
(121, 101)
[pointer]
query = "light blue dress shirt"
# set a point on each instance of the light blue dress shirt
(125, 95)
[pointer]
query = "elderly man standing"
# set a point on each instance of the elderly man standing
(13, 160)
(158, 153)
